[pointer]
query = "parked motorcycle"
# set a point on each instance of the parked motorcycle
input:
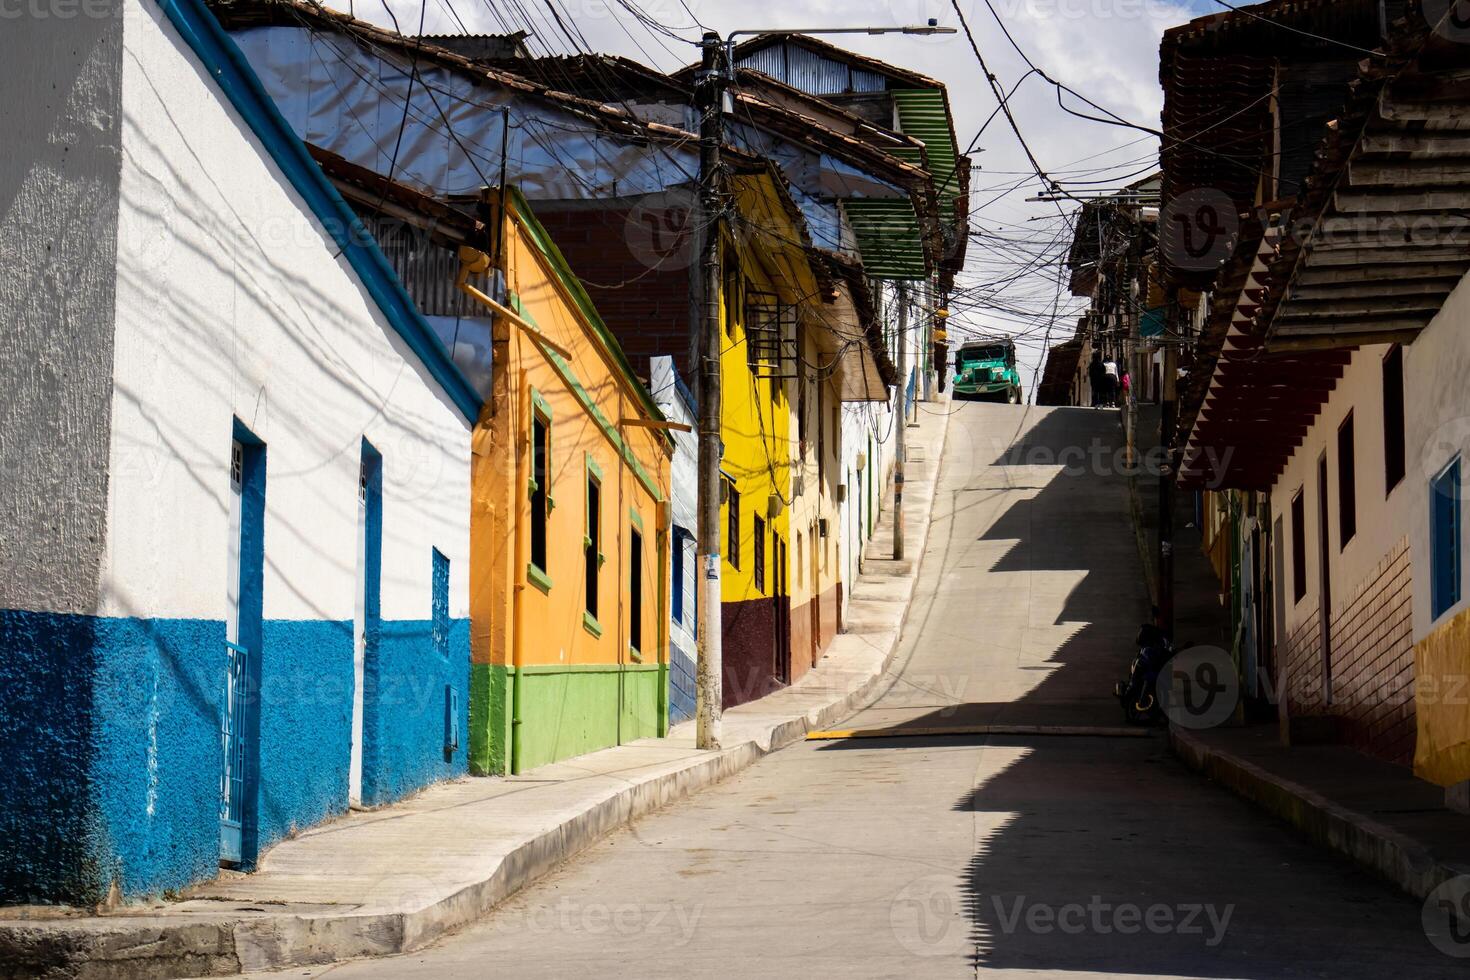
(1138, 693)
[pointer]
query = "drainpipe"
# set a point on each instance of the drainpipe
(521, 442)
(474, 262)
(900, 430)
(926, 348)
(1172, 332)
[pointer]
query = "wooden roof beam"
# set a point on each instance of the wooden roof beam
(1367, 255)
(1415, 146)
(1316, 326)
(1396, 201)
(1355, 288)
(1339, 342)
(1392, 268)
(1391, 237)
(1399, 223)
(1450, 116)
(1334, 308)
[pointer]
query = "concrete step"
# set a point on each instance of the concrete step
(887, 567)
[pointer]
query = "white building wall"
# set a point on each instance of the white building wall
(1382, 519)
(264, 322)
(1437, 427)
(1437, 420)
(58, 228)
(869, 431)
(684, 501)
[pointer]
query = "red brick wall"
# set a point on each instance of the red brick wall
(634, 264)
(1372, 695)
(1373, 660)
(1304, 668)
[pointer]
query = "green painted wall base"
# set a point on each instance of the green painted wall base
(565, 711)
(490, 686)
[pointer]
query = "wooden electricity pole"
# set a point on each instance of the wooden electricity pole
(708, 686)
(900, 433)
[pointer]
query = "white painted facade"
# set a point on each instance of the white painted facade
(1437, 428)
(232, 302)
(1382, 517)
(869, 433)
(1437, 419)
(670, 395)
(866, 473)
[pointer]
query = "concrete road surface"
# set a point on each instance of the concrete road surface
(961, 856)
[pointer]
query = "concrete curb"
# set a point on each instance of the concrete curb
(1400, 859)
(143, 946)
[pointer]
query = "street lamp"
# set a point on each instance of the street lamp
(922, 29)
(716, 72)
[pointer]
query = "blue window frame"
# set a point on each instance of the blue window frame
(1444, 538)
(677, 606)
(441, 603)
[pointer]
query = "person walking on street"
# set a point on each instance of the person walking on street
(1110, 384)
(1097, 378)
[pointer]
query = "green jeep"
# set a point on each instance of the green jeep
(986, 369)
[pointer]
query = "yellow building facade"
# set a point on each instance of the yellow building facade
(569, 532)
(769, 302)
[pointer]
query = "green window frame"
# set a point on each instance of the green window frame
(592, 556)
(538, 492)
(635, 590)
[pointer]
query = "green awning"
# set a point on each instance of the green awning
(888, 236)
(924, 115)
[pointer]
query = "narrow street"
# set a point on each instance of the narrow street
(947, 856)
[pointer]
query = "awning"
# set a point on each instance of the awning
(889, 238)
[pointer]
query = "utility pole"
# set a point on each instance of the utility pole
(926, 346)
(708, 683)
(1131, 364)
(1169, 411)
(900, 429)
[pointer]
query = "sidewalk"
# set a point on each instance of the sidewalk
(393, 879)
(1372, 812)
(1375, 813)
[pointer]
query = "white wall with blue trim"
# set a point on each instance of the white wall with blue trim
(236, 314)
(676, 401)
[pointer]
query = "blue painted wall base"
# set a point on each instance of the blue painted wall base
(110, 736)
(681, 684)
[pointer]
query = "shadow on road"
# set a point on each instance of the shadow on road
(1091, 853)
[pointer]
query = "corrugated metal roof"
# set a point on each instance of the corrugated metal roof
(889, 238)
(812, 72)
